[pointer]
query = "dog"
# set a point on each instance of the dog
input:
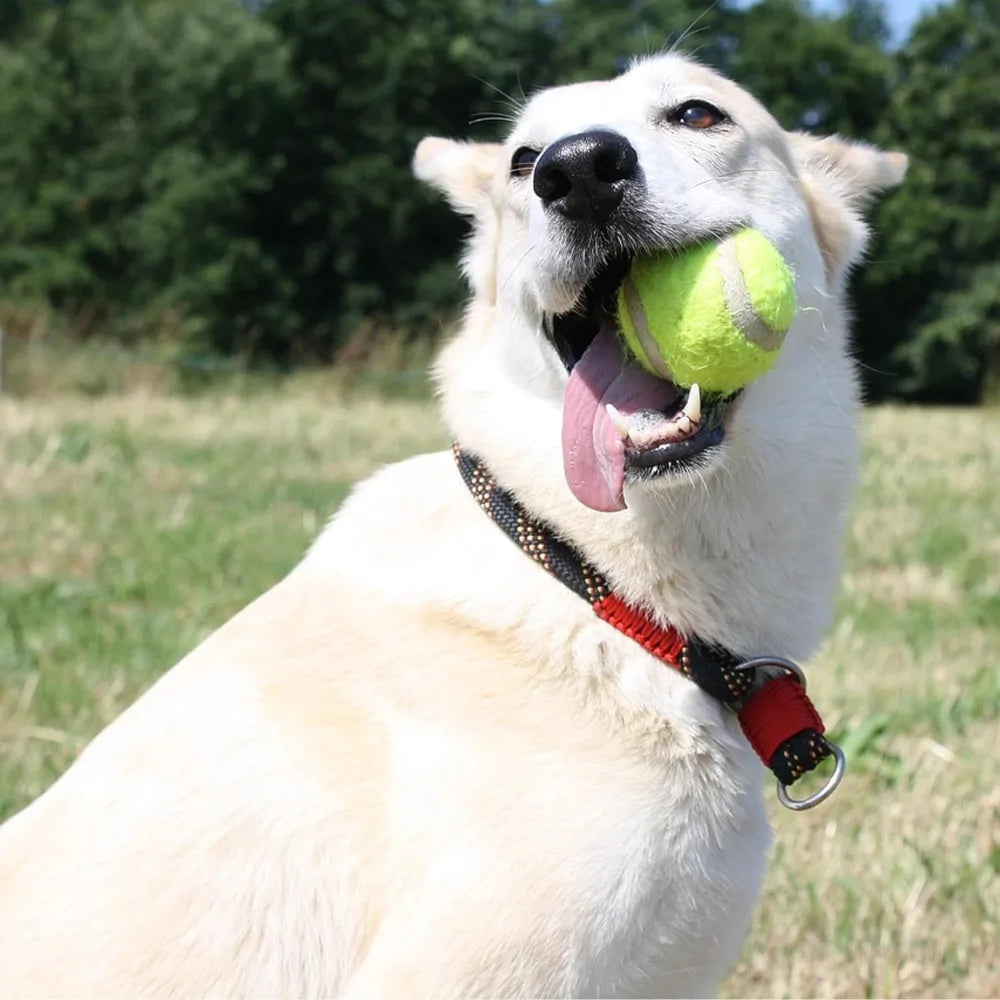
(421, 765)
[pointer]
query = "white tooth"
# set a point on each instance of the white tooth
(693, 405)
(618, 419)
(684, 424)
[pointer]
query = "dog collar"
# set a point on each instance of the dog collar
(768, 694)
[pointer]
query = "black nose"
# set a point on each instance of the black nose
(584, 176)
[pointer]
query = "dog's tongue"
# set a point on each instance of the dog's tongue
(593, 449)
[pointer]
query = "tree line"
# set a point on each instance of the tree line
(237, 174)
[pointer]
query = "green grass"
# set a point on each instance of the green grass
(131, 525)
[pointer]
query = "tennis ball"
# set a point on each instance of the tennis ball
(715, 314)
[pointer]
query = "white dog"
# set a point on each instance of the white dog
(421, 765)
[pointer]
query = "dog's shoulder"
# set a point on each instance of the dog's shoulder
(379, 717)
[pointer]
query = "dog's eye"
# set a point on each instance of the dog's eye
(522, 162)
(697, 114)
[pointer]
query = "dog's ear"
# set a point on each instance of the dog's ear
(462, 171)
(855, 170)
(839, 179)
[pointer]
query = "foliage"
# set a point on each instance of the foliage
(359, 236)
(817, 73)
(937, 259)
(238, 173)
(139, 136)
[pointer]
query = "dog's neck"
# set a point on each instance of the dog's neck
(775, 713)
(765, 531)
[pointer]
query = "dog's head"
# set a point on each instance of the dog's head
(668, 155)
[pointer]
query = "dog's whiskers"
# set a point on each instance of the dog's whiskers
(517, 264)
(736, 173)
(492, 116)
(689, 30)
(514, 103)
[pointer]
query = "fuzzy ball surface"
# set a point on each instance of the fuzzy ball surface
(715, 314)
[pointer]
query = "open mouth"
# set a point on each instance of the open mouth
(620, 423)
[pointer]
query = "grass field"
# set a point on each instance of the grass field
(130, 526)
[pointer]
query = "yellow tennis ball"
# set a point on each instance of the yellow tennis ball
(715, 314)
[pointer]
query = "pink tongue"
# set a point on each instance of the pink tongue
(593, 450)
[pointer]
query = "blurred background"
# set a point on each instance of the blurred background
(231, 180)
(219, 292)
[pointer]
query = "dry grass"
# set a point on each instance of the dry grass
(893, 889)
(132, 525)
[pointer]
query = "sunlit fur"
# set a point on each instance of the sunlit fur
(419, 766)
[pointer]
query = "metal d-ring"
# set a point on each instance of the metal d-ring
(789, 666)
(798, 805)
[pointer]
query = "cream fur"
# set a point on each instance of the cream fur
(420, 767)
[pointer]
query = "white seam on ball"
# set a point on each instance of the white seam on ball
(638, 316)
(738, 301)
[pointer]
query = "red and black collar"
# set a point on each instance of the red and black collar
(767, 694)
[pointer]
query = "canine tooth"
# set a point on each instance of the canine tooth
(693, 405)
(684, 424)
(618, 419)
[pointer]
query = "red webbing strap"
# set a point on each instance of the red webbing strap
(773, 715)
(778, 720)
(664, 643)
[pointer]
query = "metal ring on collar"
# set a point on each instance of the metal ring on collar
(790, 666)
(798, 805)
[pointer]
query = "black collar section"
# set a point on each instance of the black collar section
(775, 712)
(710, 666)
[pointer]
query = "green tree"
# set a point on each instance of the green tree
(245, 165)
(817, 72)
(359, 235)
(18, 15)
(594, 40)
(929, 303)
(137, 135)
